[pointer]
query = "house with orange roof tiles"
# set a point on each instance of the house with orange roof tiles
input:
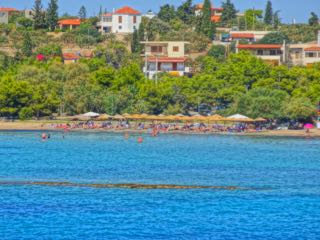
(5, 14)
(122, 20)
(69, 23)
(275, 54)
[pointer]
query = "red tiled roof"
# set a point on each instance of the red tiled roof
(242, 35)
(313, 49)
(107, 15)
(74, 22)
(126, 10)
(167, 59)
(200, 6)
(70, 56)
(259, 46)
(215, 18)
(8, 10)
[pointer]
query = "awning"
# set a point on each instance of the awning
(167, 60)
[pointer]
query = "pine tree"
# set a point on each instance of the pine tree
(100, 11)
(229, 12)
(268, 14)
(141, 31)
(135, 43)
(167, 13)
(314, 19)
(27, 45)
(186, 11)
(52, 14)
(83, 12)
(276, 20)
(207, 27)
(39, 20)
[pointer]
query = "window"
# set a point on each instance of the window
(273, 52)
(311, 54)
(134, 19)
(107, 19)
(156, 49)
(120, 27)
(260, 52)
(175, 49)
(120, 19)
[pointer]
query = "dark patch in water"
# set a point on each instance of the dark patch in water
(123, 185)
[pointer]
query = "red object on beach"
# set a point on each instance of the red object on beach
(40, 57)
(308, 126)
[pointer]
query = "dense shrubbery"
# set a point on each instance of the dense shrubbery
(113, 83)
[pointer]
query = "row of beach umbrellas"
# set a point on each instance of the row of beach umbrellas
(166, 118)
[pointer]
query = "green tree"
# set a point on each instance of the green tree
(142, 31)
(268, 14)
(314, 19)
(39, 18)
(135, 43)
(261, 102)
(52, 14)
(167, 13)
(82, 12)
(276, 20)
(229, 12)
(299, 108)
(218, 52)
(27, 46)
(25, 22)
(252, 17)
(275, 38)
(186, 12)
(207, 27)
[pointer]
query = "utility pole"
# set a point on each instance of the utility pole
(156, 69)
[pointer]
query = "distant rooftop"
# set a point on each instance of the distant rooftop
(259, 46)
(3, 9)
(126, 10)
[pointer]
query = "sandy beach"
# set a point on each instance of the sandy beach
(47, 126)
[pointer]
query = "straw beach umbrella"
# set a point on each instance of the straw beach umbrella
(260, 120)
(104, 117)
(118, 117)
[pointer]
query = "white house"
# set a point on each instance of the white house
(123, 20)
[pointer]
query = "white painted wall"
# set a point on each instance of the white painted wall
(127, 25)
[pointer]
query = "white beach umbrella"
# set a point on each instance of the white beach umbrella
(238, 116)
(91, 114)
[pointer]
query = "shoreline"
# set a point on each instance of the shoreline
(44, 126)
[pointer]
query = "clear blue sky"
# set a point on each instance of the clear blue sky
(298, 9)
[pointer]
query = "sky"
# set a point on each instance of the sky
(290, 9)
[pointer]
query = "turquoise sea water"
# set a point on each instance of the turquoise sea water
(282, 174)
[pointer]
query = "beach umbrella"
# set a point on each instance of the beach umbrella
(104, 117)
(308, 126)
(91, 114)
(118, 117)
(239, 118)
(214, 118)
(126, 115)
(260, 120)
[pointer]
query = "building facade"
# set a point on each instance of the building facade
(216, 12)
(274, 54)
(169, 57)
(123, 20)
(5, 14)
(69, 24)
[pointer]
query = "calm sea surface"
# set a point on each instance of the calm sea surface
(282, 174)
